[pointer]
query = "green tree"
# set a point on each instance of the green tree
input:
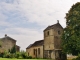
(71, 34)
(13, 50)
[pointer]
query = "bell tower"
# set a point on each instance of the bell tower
(52, 40)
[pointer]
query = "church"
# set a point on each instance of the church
(50, 46)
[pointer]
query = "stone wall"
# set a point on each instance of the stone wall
(6, 44)
(52, 41)
(30, 52)
(49, 39)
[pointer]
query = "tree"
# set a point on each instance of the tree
(71, 34)
(13, 50)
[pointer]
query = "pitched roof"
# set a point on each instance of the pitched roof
(29, 46)
(53, 26)
(7, 37)
(36, 43)
(17, 46)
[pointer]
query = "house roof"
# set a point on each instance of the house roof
(36, 43)
(53, 26)
(29, 46)
(17, 46)
(7, 37)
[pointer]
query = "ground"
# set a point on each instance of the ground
(19, 59)
(23, 59)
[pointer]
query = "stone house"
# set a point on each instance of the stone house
(6, 44)
(52, 43)
(36, 49)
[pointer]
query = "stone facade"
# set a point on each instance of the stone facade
(17, 48)
(7, 43)
(36, 49)
(52, 43)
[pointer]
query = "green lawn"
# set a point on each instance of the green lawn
(20, 59)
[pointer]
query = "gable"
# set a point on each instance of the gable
(57, 25)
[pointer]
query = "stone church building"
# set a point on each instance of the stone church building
(6, 44)
(51, 45)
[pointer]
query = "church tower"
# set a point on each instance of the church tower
(52, 41)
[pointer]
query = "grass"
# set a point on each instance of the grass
(19, 59)
(23, 59)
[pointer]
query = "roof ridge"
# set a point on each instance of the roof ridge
(52, 26)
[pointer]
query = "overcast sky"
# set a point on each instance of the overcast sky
(25, 20)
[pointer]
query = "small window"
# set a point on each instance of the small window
(48, 33)
(59, 32)
(38, 50)
(28, 53)
(0, 46)
(34, 51)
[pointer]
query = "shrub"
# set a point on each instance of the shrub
(78, 58)
(18, 54)
(1, 54)
(24, 55)
(7, 55)
(29, 57)
(13, 50)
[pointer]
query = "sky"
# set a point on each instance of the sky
(25, 20)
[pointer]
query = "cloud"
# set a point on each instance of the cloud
(43, 12)
(46, 12)
(24, 36)
(25, 20)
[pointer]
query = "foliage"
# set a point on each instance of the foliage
(1, 54)
(24, 55)
(11, 53)
(71, 34)
(13, 50)
(17, 54)
(20, 59)
(78, 58)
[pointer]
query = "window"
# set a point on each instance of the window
(48, 33)
(59, 32)
(28, 53)
(34, 51)
(38, 50)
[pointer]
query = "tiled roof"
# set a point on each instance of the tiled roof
(53, 26)
(36, 43)
(29, 46)
(17, 46)
(7, 37)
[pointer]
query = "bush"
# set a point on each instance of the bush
(1, 54)
(18, 55)
(7, 55)
(29, 57)
(24, 55)
(78, 58)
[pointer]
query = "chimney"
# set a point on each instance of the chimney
(5, 35)
(57, 21)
